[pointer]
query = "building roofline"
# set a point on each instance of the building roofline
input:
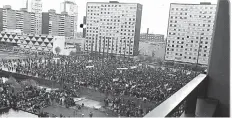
(191, 4)
(113, 3)
(152, 34)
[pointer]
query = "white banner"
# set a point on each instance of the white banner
(89, 66)
(133, 67)
(115, 80)
(122, 68)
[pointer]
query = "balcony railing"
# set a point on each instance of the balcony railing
(183, 101)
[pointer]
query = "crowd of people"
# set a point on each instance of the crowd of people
(112, 76)
(33, 98)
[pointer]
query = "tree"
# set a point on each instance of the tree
(149, 59)
(169, 63)
(112, 55)
(72, 53)
(57, 49)
(159, 61)
(140, 57)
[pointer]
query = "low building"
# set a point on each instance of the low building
(37, 43)
(153, 49)
(77, 43)
(152, 37)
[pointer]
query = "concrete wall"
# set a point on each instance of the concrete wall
(26, 23)
(137, 29)
(59, 41)
(219, 70)
(11, 19)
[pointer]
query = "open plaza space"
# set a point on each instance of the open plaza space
(102, 87)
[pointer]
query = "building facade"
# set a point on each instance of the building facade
(113, 28)
(17, 19)
(58, 24)
(32, 42)
(152, 37)
(71, 8)
(190, 32)
(35, 6)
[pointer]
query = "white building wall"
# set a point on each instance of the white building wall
(189, 32)
(111, 27)
(72, 10)
(36, 7)
(59, 41)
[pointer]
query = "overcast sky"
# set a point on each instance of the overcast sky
(155, 12)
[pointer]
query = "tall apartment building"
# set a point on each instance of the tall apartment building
(57, 24)
(71, 8)
(35, 6)
(190, 32)
(16, 19)
(113, 28)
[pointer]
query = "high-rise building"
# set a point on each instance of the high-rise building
(71, 8)
(190, 29)
(57, 24)
(16, 19)
(113, 27)
(9, 17)
(35, 6)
